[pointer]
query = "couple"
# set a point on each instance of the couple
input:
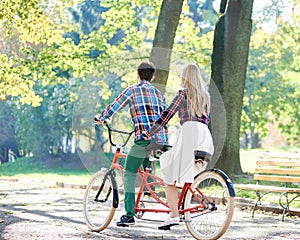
(149, 116)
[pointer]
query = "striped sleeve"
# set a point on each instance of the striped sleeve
(121, 101)
(167, 114)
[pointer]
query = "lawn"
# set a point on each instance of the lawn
(249, 157)
(30, 169)
(27, 168)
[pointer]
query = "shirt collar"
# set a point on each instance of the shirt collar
(144, 82)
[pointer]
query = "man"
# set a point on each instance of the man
(146, 103)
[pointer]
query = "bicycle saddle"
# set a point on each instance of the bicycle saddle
(205, 156)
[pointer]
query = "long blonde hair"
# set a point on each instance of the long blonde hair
(198, 98)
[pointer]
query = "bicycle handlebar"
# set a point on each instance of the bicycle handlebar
(110, 130)
(154, 148)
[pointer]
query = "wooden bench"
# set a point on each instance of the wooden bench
(272, 170)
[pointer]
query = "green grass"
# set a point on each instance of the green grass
(248, 157)
(31, 169)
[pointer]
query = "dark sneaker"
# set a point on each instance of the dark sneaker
(125, 221)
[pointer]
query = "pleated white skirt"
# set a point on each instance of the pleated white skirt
(177, 164)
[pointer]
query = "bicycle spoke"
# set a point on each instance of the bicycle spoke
(209, 189)
(98, 202)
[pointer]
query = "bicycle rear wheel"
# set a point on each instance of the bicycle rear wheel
(99, 201)
(212, 220)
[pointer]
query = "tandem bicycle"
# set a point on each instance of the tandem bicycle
(206, 206)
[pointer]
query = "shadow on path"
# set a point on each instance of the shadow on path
(47, 212)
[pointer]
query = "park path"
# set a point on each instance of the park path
(41, 210)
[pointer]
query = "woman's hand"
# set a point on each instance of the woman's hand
(145, 135)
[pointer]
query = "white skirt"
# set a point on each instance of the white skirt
(177, 164)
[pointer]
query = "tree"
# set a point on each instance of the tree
(25, 29)
(8, 138)
(164, 39)
(229, 64)
(51, 54)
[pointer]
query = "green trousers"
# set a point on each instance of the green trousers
(135, 158)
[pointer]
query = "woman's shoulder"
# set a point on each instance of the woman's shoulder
(182, 93)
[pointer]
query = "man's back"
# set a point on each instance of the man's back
(146, 105)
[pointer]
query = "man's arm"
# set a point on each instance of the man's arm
(121, 101)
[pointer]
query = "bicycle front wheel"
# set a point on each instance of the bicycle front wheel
(211, 204)
(99, 201)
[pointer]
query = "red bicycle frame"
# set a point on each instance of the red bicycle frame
(158, 182)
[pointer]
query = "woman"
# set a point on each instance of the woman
(192, 102)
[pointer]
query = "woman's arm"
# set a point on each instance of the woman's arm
(167, 114)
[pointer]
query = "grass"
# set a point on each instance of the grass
(52, 169)
(249, 156)
(72, 177)
(30, 168)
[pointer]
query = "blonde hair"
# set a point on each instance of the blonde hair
(198, 99)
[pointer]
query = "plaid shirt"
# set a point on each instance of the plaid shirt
(178, 104)
(146, 103)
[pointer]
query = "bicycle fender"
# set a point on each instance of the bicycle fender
(115, 190)
(227, 180)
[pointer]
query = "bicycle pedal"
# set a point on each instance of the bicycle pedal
(183, 220)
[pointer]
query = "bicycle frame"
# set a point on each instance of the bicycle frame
(211, 192)
(115, 164)
(144, 175)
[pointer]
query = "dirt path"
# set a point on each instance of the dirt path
(39, 210)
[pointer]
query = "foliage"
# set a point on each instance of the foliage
(27, 32)
(194, 43)
(47, 129)
(50, 55)
(288, 111)
(31, 168)
(63, 61)
(272, 91)
(21, 165)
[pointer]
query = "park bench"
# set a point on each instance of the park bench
(276, 173)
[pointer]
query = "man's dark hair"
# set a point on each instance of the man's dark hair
(146, 70)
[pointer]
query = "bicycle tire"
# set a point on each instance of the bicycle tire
(98, 214)
(209, 223)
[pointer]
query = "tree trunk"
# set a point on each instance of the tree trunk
(3, 155)
(229, 64)
(164, 39)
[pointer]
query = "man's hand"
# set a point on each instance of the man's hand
(145, 135)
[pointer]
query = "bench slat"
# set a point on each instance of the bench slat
(276, 178)
(264, 188)
(273, 170)
(291, 156)
(278, 163)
